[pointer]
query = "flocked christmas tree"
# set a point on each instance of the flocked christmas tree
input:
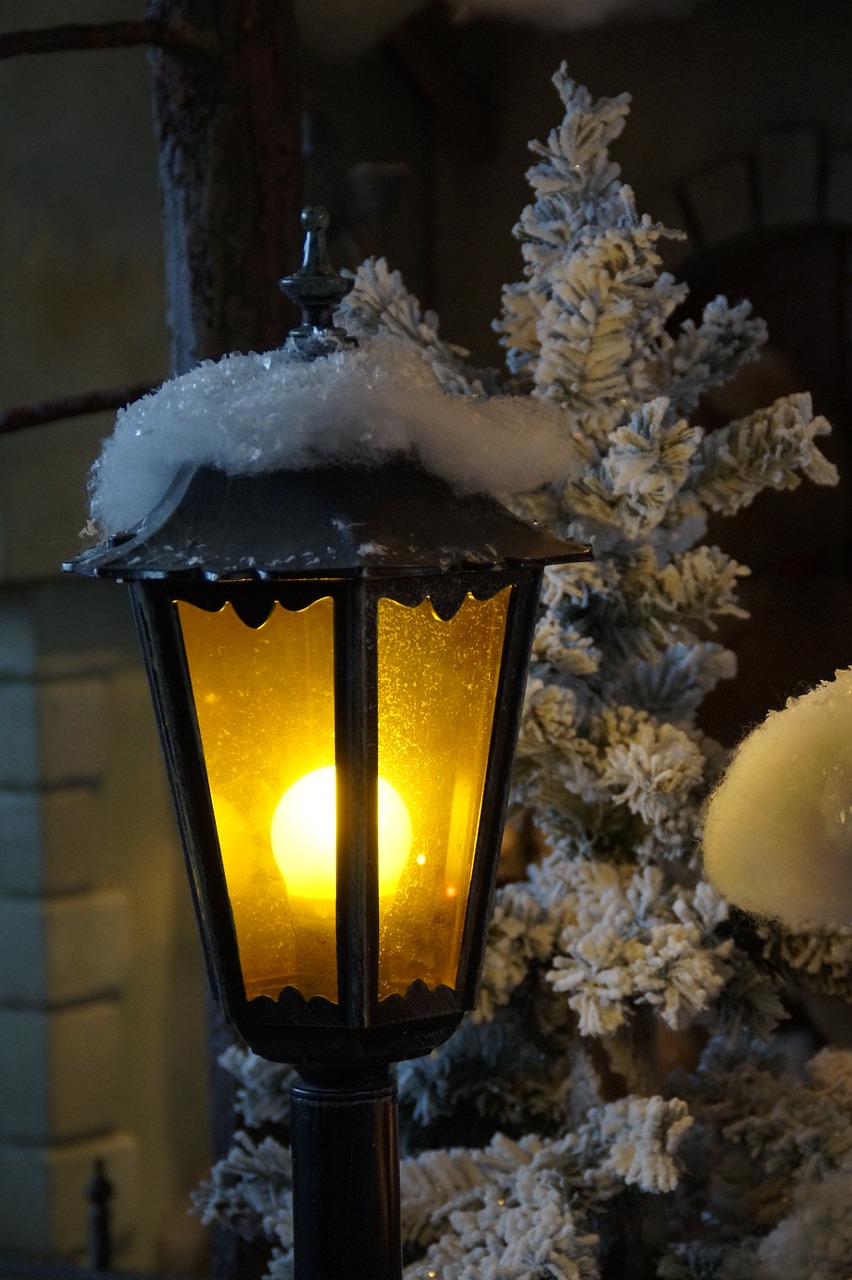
(546, 1140)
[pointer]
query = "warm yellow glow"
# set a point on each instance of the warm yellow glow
(264, 699)
(437, 686)
(304, 836)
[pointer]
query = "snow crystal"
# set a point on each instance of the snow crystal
(253, 413)
(778, 829)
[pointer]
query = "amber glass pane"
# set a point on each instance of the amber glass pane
(437, 689)
(264, 698)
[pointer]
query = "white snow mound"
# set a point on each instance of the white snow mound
(250, 413)
(778, 828)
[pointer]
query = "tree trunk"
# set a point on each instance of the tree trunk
(228, 125)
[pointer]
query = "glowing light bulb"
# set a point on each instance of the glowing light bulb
(304, 836)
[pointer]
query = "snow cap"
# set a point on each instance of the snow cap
(245, 414)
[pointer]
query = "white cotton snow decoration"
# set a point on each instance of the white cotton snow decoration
(778, 829)
(251, 413)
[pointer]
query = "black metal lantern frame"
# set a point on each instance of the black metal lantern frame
(293, 1029)
(371, 534)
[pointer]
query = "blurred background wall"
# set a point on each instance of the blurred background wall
(741, 132)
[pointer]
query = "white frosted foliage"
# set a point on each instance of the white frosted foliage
(778, 829)
(612, 931)
(254, 413)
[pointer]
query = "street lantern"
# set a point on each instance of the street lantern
(337, 658)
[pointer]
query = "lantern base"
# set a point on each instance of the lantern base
(346, 1176)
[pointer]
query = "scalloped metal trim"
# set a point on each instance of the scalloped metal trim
(292, 1007)
(419, 1001)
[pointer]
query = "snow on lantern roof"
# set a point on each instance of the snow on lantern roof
(246, 414)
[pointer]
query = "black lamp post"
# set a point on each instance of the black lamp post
(337, 660)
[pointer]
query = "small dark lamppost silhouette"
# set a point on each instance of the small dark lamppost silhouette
(98, 1195)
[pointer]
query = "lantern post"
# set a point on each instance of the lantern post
(337, 659)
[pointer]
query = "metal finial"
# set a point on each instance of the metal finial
(318, 289)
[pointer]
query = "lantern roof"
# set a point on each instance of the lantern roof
(350, 521)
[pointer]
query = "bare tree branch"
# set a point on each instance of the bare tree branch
(108, 35)
(38, 415)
